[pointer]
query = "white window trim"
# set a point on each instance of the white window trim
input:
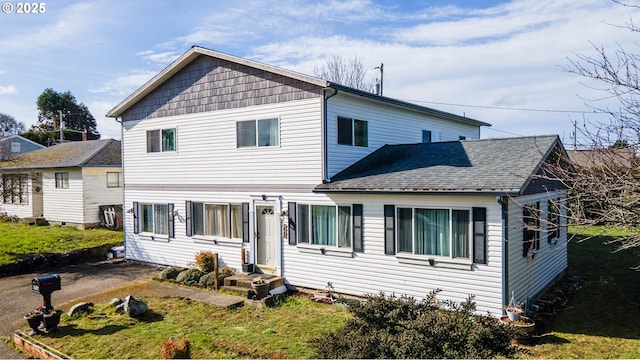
(146, 139)
(214, 238)
(353, 131)
(439, 258)
(328, 248)
(256, 146)
(325, 250)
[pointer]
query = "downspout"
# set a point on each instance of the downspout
(504, 202)
(325, 130)
(124, 184)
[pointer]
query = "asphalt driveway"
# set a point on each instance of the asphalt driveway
(95, 282)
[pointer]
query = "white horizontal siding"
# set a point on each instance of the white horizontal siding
(63, 205)
(96, 192)
(207, 152)
(386, 125)
(528, 276)
(368, 272)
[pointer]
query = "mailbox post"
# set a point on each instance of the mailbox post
(45, 285)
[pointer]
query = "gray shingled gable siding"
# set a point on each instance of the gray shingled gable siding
(208, 84)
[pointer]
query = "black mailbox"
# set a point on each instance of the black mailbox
(45, 285)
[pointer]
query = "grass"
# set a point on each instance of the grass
(18, 241)
(603, 318)
(246, 332)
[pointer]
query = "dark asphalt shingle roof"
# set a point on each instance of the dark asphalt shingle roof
(469, 166)
(92, 153)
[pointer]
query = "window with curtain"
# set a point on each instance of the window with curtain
(161, 140)
(325, 225)
(217, 220)
(155, 218)
(436, 232)
(261, 133)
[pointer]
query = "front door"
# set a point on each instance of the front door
(266, 244)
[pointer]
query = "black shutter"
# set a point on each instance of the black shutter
(479, 235)
(389, 229)
(357, 228)
(136, 221)
(188, 208)
(245, 222)
(172, 228)
(292, 207)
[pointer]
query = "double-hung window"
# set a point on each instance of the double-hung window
(353, 132)
(325, 225)
(62, 180)
(217, 220)
(14, 188)
(553, 227)
(161, 140)
(434, 232)
(114, 179)
(260, 133)
(531, 229)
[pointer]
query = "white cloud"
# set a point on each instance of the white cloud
(125, 84)
(6, 90)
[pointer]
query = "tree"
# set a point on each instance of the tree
(348, 72)
(76, 118)
(604, 181)
(9, 125)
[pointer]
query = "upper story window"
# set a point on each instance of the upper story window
(263, 132)
(161, 140)
(114, 179)
(325, 225)
(437, 232)
(62, 180)
(429, 136)
(14, 188)
(353, 132)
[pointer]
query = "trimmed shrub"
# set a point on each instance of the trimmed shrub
(172, 349)
(401, 327)
(170, 273)
(189, 276)
(208, 280)
(205, 261)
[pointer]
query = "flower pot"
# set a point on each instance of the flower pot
(34, 321)
(514, 313)
(525, 328)
(247, 268)
(261, 289)
(50, 321)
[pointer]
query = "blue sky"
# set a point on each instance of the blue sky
(495, 61)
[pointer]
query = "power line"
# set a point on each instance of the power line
(506, 108)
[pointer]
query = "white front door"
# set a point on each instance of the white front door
(266, 236)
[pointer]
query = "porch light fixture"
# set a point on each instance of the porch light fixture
(264, 197)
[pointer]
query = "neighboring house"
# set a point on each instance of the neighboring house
(14, 145)
(312, 179)
(65, 183)
(615, 159)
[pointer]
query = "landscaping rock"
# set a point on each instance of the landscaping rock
(83, 307)
(132, 306)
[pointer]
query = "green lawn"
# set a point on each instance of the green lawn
(246, 332)
(18, 241)
(602, 319)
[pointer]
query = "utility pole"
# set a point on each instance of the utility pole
(379, 85)
(61, 126)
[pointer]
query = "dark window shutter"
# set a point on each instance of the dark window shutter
(389, 229)
(479, 235)
(172, 228)
(358, 240)
(189, 225)
(293, 234)
(136, 220)
(245, 222)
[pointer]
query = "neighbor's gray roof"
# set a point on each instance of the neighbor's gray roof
(92, 153)
(471, 166)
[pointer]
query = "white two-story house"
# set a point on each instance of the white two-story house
(321, 183)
